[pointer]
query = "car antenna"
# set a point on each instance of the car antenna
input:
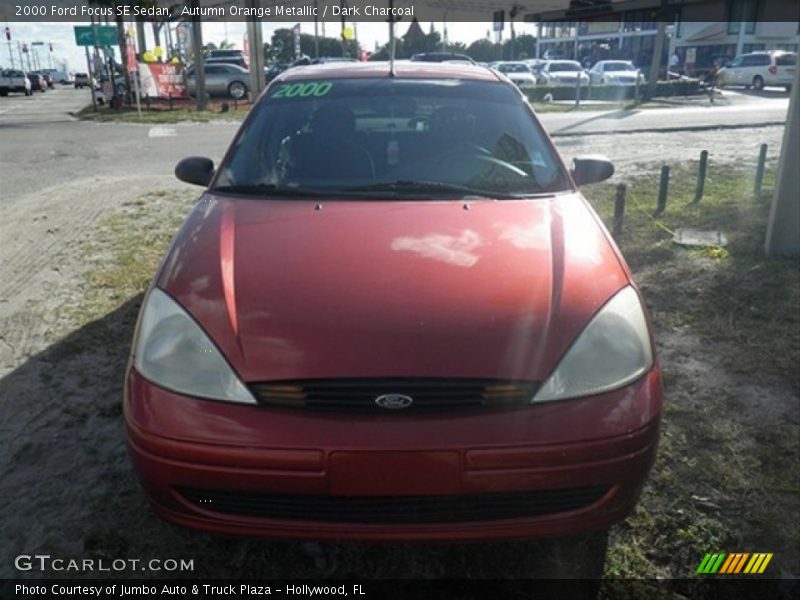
(392, 44)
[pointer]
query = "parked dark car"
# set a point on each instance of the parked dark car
(229, 57)
(440, 57)
(275, 70)
(38, 84)
(48, 79)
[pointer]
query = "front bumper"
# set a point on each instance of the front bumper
(554, 469)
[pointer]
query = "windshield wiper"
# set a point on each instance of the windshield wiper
(422, 187)
(270, 189)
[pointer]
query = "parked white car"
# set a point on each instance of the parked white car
(518, 72)
(563, 73)
(615, 72)
(13, 80)
(759, 69)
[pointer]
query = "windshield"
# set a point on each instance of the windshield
(511, 68)
(619, 66)
(565, 66)
(393, 137)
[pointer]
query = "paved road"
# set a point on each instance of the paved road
(733, 110)
(42, 146)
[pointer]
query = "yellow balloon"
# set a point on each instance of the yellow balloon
(158, 51)
(348, 33)
(149, 57)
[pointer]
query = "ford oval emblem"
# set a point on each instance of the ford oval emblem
(394, 401)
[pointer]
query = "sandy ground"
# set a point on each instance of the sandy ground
(66, 482)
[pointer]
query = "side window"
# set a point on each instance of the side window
(214, 70)
(786, 60)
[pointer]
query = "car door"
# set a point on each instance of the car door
(216, 80)
(733, 70)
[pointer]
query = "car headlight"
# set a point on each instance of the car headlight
(612, 351)
(173, 351)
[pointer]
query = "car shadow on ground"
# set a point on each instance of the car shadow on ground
(70, 491)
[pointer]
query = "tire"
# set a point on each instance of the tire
(237, 90)
(758, 83)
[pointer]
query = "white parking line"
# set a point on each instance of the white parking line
(162, 132)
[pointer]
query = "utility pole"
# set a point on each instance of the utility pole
(511, 15)
(658, 49)
(316, 30)
(258, 79)
(10, 51)
(199, 62)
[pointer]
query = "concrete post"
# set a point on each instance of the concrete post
(655, 65)
(258, 79)
(199, 59)
(783, 229)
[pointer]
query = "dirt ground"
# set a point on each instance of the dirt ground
(74, 262)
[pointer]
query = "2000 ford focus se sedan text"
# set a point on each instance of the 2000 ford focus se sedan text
(392, 316)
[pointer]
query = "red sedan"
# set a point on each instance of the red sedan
(393, 316)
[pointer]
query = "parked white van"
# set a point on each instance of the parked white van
(759, 69)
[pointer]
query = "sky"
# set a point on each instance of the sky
(64, 48)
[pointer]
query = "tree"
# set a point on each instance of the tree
(281, 48)
(524, 47)
(484, 50)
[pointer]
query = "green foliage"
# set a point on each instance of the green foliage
(281, 47)
(614, 92)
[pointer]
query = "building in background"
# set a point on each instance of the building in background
(627, 30)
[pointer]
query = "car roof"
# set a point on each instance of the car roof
(411, 69)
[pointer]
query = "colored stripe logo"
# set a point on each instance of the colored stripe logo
(734, 563)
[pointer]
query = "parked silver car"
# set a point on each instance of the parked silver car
(221, 80)
(615, 72)
(563, 73)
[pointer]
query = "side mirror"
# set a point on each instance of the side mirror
(591, 169)
(195, 169)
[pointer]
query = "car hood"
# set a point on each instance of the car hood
(296, 289)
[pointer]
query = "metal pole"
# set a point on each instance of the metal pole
(663, 188)
(257, 76)
(199, 62)
(316, 30)
(11, 55)
(89, 68)
(655, 64)
(619, 209)
(762, 163)
(392, 42)
(701, 177)
(21, 62)
(578, 90)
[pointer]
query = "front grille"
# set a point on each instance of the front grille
(427, 394)
(396, 510)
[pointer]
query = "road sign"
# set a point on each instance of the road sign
(85, 35)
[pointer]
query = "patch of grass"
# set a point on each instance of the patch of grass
(725, 477)
(103, 114)
(126, 250)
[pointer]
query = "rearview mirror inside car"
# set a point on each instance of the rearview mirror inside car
(195, 169)
(591, 169)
